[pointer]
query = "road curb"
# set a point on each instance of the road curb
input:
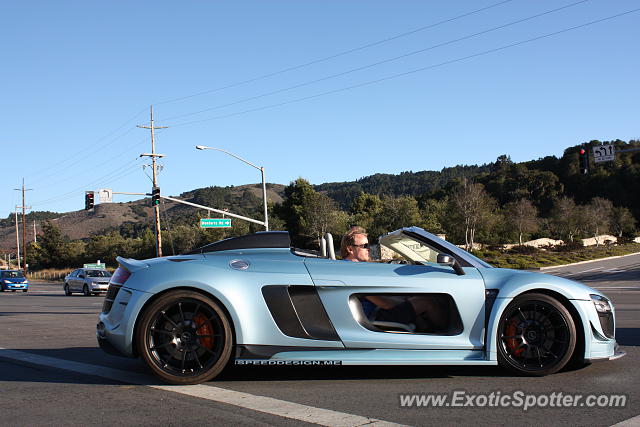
(584, 262)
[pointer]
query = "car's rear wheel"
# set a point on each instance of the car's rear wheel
(184, 337)
(24, 290)
(536, 335)
(85, 291)
(67, 292)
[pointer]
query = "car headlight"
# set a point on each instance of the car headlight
(601, 303)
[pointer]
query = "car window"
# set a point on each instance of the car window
(13, 275)
(98, 273)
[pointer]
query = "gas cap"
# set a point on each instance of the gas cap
(239, 264)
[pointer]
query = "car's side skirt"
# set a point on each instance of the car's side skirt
(372, 357)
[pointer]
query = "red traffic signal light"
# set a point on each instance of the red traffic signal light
(584, 161)
(88, 200)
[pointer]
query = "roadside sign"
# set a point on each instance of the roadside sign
(604, 153)
(105, 195)
(215, 223)
(94, 265)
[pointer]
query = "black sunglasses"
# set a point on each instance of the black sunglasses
(363, 246)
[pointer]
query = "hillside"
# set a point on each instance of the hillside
(543, 182)
(243, 200)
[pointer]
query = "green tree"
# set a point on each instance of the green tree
(365, 209)
(296, 196)
(395, 213)
(52, 247)
(433, 214)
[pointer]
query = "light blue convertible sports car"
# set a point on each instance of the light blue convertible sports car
(256, 300)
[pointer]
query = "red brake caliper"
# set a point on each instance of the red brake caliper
(205, 329)
(512, 343)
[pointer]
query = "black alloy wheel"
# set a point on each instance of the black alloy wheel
(85, 291)
(184, 337)
(536, 335)
(67, 292)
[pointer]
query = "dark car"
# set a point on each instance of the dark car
(13, 280)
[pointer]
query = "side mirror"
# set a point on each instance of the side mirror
(444, 259)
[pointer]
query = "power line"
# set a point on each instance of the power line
(87, 184)
(90, 150)
(385, 61)
(395, 76)
(112, 158)
(77, 192)
(337, 55)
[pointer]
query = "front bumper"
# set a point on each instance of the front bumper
(617, 354)
(15, 286)
(95, 287)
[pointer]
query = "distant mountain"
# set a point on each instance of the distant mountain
(405, 183)
(243, 200)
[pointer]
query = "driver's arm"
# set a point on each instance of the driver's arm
(385, 303)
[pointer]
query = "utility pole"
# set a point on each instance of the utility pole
(24, 227)
(35, 235)
(17, 238)
(153, 156)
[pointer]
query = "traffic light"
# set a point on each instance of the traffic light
(584, 161)
(155, 196)
(88, 200)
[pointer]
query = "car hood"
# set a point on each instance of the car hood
(510, 283)
(15, 280)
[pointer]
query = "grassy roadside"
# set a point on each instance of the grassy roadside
(525, 257)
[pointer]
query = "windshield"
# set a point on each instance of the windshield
(98, 273)
(411, 249)
(420, 246)
(12, 275)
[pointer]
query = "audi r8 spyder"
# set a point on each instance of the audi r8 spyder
(257, 300)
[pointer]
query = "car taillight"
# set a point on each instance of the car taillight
(119, 276)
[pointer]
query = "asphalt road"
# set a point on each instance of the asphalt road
(52, 372)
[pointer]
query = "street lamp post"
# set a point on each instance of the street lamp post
(260, 168)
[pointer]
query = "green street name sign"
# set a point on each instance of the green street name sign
(94, 266)
(215, 223)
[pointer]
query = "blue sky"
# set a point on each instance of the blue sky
(78, 76)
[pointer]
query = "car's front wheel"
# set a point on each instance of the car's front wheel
(67, 292)
(184, 337)
(536, 335)
(85, 291)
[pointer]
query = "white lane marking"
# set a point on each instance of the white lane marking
(631, 422)
(583, 271)
(268, 405)
(276, 407)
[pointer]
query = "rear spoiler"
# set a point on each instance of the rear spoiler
(131, 264)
